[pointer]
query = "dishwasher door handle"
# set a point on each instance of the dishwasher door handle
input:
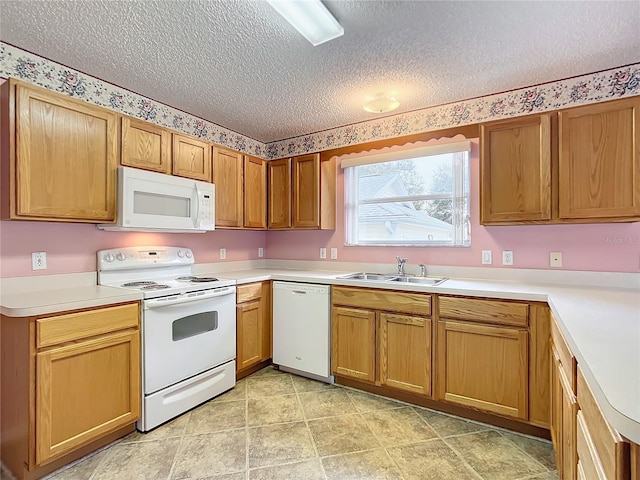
(298, 292)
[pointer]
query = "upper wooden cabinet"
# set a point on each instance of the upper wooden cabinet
(516, 170)
(584, 170)
(302, 193)
(191, 158)
(255, 192)
(279, 201)
(227, 176)
(63, 156)
(599, 161)
(145, 145)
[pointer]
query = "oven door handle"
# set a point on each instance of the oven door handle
(186, 298)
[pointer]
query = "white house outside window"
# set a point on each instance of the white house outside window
(409, 197)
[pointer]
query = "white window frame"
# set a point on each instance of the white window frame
(460, 219)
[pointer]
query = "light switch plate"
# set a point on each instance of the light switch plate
(334, 254)
(223, 253)
(555, 259)
(507, 257)
(323, 253)
(260, 252)
(486, 257)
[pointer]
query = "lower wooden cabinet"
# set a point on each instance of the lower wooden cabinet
(69, 382)
(253, 321)
(353, 340)
(404, 352)
(483, 366)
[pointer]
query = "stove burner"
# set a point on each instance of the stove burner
(155, 286)
(197, 279)
(138, 284)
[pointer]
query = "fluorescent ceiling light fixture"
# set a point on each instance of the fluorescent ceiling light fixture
(382, 104)
(311, 18)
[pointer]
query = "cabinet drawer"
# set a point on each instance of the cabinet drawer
(390, 301)
(246, 293)
(74, 326)
(485, 311)
(609, 447)
(587, 456)
(567, 360)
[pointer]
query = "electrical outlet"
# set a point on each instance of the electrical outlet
(555, 259)
(323, 253)
(486, 257)
(334, 254)
(507, 257)
(260, 252)
(223, 253)
(39, 261)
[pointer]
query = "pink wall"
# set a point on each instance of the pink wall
(71, 247)
(598, 247)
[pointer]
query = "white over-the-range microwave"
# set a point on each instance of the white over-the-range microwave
(155, 202)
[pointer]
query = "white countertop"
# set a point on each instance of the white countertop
(601, 325)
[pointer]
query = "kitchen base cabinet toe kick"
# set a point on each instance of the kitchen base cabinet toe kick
(70, 385)
(479, 358)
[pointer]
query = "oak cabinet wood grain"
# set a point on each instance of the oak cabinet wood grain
(353, 343)
(483, 367)
(76, 385)
(253, 322)
(145, 145)
(227, 177)
(191, 158)
(302, 193)
(63, 157)
(255, 192)
(578, 165)
(516, 170)
(599, 161)
(404, 352)
(279, 191)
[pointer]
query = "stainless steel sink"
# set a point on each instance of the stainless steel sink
(419, 280)
(378, 277)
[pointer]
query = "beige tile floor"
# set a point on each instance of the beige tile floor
(277, 426)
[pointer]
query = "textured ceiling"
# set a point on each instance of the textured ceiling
(240, 65)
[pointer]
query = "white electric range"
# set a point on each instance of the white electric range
(188, 328)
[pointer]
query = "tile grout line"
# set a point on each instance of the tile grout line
(246, 430)
(306, 422)
(464, 462)
(175, 456)
(527, 454)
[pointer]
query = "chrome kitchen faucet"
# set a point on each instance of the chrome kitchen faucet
(401, 262)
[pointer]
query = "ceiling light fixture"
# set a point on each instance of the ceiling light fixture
(310, 17)
(382, 104)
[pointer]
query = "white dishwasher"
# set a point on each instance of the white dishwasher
(302, 329)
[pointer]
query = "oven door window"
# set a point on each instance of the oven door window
(193, 325)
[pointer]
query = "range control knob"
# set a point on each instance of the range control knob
(188, 254)
(121, 256)
(180, 253)
(109, 258)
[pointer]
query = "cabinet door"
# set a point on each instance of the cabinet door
(404, 352)
(85, 390)
(267, 326)
(280, 194)
(515, 170)
(191, 158)
(255, 192)
(66, 158)
(556, 407)
(483, 367)
(145, 145)
(306, 191)
(249, 334)
(227, 176)
(568, 469)
(599, 162)
(353, 343)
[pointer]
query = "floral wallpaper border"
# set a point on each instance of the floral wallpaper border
(589, 88)
(582, 90)
(31, 68)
